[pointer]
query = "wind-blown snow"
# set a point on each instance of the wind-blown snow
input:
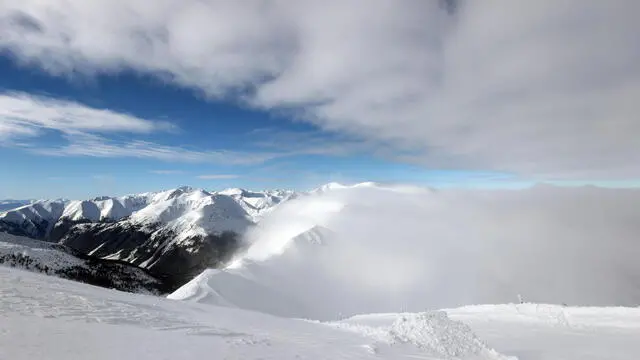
(387, 250)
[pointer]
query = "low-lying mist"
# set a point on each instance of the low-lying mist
(394, 249)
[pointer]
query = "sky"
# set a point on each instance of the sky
(115, 97)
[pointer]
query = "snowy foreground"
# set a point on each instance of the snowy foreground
(49, 318)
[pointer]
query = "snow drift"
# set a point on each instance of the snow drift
(367, 249)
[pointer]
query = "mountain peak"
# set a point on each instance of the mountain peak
(328, 187)
(184, 188)
(232, 191)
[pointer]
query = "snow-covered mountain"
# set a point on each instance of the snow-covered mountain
(62, 261)
(174, 234)
(182, 209)
(10, 204)
(39, 219)
(259, 204)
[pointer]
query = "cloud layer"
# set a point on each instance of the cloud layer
(545, 88)
(409, 249)
(85, 130)
(26, 115)
(89, 131)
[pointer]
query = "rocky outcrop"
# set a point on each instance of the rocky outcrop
(59, 260)
(152, 247)
(36, 228)
(173, 234)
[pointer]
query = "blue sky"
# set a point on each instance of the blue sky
(200, 125)
(102, 97)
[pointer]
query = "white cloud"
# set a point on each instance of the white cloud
(11, 129)
(27, 115)
(548, 88)
(24, 116)
(312, 142)
(97, 146)
(218, 176)
(401, 248)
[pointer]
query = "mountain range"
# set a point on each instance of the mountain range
(366, 265)
(173, 235)
(10, 204)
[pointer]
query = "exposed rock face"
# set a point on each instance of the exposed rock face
(151, 247)
(174, 234)
(62, 261)
(33, 228)
(61, 228)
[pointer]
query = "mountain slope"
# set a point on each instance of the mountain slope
(40, 314)
(174, 234)
(9, 204)
(61, 261)
(140, 327)
(181, 209)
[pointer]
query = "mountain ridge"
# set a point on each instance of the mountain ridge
(174, 234)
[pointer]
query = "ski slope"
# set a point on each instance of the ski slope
(51, 318)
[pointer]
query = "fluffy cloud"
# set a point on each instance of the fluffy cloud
(87, 129)
(544, 88)
(84, 128)
(401, 248)
(97, 146)
(27, 115)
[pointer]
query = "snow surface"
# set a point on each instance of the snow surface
(41, 252)
(41, 317)
(537, 331)
(50, 318)
(58, 260)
